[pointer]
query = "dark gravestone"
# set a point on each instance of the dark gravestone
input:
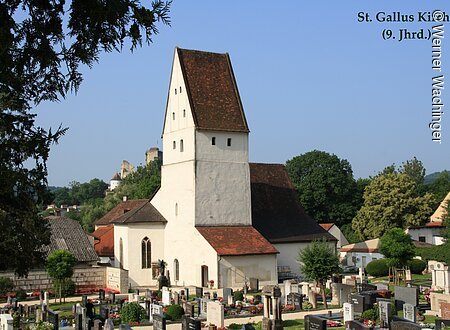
(313, 322)
(295, 299)
(359, 303)
(112, 297)
(101, 294)
(188, 308)
(148, 294)
(186, 293)
(79, 322)
(254, 284)
(360, 287)
(441, 324)
(371, 298)
(194, 324)
(408, 295)
(104, 312)
(53, 318)
(355, 325)
(98, 324)
(84, 300)
(199, 292)
(159, 322)
(404, 325)
(227, 292)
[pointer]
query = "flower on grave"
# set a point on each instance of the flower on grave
(211, 281)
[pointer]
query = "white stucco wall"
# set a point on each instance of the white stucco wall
(289, 254)
(359, 258)
(433, 235)
(132, 236)
(113, 184)
(337, 233)
(234, 270)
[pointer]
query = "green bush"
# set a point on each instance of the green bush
(6, 285)
(417, 266)
(258, 299)
(21, 295)
(174, 312)
(307, 305)
(238, 295)
(370, 314)
(132, 312)
(378, 268)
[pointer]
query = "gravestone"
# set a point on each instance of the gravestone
(159, 322)
(360, 287)
(189, 323)
(155, 310)
(382, 286)
(227, 292)
(176, 298)
(408, 295)
(203, 307)
(109, 325)
(148, 294)
(312, 298)
(441, 324)
(445, 310)
(101, 294)
(84, 300)
(359, 303)
(355, 325)
(215, 314)
(6, 322)
(371, 298)
(404, 325)
(409, 312)
(296, 300)
(384, 311)
(186, 293)
(188, 308)
(53, 318)
(46, 298)
(166, 298)
(207, 295)
(313, 322)
(254, 284)
(79, 321)
(349, 313)
(340, 293)
(104, 312)
(98, 324)
(112, 297)
(198, 292)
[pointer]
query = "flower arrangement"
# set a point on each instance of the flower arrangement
(211, 283)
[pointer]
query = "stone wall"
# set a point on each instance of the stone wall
(85, 278)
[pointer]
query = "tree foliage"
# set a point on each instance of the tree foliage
(80, 193)
(397, 247)
(59, 267)
(43, 43)
(318, 262)
(325, 186)
(6, 285)
(391, 201)
(414, 169)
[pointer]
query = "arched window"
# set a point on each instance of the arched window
(181, 146)
(121, 253)
(146, 252)
(176, 269)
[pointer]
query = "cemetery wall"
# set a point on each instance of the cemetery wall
(234, 269)
(117, 279)
(84, 278)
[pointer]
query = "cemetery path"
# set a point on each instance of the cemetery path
(256, 319)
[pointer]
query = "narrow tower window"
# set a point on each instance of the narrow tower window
(180, 89)
(213, 140)
(173, 115)
(229, 142)
(174, 144)
(184, 113)
(181, 146)
(175, 91)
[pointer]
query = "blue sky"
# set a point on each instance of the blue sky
(309, 74)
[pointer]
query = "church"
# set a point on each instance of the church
(216, 218)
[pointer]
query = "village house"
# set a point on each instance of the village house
(216, 217)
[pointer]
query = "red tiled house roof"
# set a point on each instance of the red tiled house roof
(326, 226)
(235, 241)
(119, 210)
(212, 91)
(104, 241)
(276, 210)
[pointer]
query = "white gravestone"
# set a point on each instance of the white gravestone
(6, 322)
(155, 309)
(409, 312)
(215, 314)
(46, 298)
(349, 313)
(166, 298)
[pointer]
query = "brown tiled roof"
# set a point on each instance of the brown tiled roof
(326, 226)
(142, 213)
(235, 241)
(212, 91)
(276, 210)
(67, 234)
(371, 245)
(104, 241)
(116, 177)
(119, 210)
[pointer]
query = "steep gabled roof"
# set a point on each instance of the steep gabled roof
(371, 245)
(326, 226)
(67, 234)
(116, 177)
(104, 241)
(441, 211)
(276, 210)
(235, 241)
(120, 209)
(212, 91)
(142, 213)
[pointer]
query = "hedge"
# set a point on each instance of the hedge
(417, 266)
(377, 268)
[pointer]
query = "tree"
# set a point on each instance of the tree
(414, 169)
(59, 267)
(391, 201)
(397, 247)
(325, 186)
(441, 186)
(42, 46)
(318, 262)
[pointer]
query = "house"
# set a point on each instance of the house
(104, 244)
(336, 232)
(360, 254)
(216, 216)
(431, 232)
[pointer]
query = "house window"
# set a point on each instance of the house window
(184, 113)
(174, 144)
(229, 142)
(146, 253)
(173, 115)
(176, 209)
(422, 239)
(175, 91)
(176, 269)
(213, 140)
(181, 146)
(180, 89)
